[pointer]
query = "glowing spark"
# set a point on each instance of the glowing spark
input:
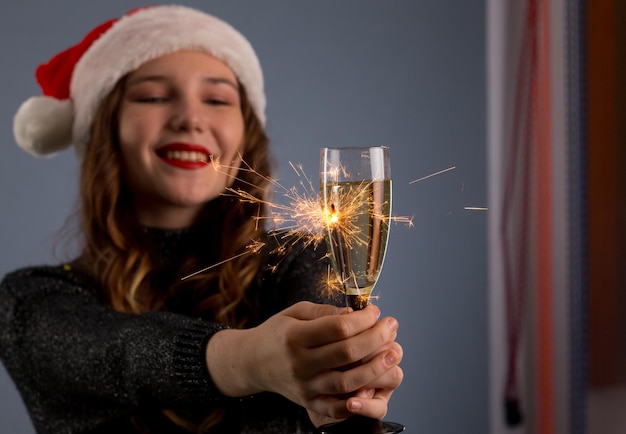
(215, 162)
(476, 208)
(402, 219)
(331, 283)
(214, 265)
(433, 174)
(251, 248)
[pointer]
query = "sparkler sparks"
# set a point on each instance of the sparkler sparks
(300, 220)
(432, 174)
(303, 219)
(254, 247)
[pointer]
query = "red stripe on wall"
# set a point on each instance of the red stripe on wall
(543, 218)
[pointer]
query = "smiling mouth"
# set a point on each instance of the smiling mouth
(186, 156)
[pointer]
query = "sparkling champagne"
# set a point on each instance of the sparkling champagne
(355, 185)
(356, 235)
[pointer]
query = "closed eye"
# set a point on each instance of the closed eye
(152, 99)
(216, 101)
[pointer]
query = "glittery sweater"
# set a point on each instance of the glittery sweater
(82, 367)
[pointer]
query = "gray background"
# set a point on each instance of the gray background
(409, 74)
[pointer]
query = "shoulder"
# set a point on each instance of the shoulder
(45, 278)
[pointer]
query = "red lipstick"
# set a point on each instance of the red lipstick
(185, 155)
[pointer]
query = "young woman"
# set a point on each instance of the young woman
(166, 109)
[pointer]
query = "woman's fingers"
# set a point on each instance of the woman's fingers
(388, 381)
(358, 348)
(333, 408)
(307, 311)
(320, 357)
(378, 373)
(368, 402)
(319, 326)
(376, 407)
(372, 403)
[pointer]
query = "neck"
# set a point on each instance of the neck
(169, 218)
(179, 217)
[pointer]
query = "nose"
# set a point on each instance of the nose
(188, 115)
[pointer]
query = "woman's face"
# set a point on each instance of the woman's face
(181, 130)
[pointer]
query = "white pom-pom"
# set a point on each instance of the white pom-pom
(43, 125)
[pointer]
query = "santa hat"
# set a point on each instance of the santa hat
(75, 81)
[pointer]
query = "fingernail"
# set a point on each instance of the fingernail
(392, 324)
(390, 359)
(355, 405)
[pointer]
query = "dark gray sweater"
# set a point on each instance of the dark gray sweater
(82, 367)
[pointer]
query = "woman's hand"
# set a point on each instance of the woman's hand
(331, 363)
(370, 401)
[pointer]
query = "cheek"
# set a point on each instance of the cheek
(133, 133)
(129, 129)
(128, 152)
(234, 143)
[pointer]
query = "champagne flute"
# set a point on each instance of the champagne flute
(355, 186)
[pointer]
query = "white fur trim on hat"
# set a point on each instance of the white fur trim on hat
(43, 125)
(150, 33)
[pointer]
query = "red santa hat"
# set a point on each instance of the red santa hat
(75, 81)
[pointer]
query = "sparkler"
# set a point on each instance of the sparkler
(302, 219)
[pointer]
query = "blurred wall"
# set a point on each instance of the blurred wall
(409, 74)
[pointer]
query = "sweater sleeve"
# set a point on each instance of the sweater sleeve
(62, 346)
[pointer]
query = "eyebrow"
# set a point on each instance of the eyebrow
(162, 78)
